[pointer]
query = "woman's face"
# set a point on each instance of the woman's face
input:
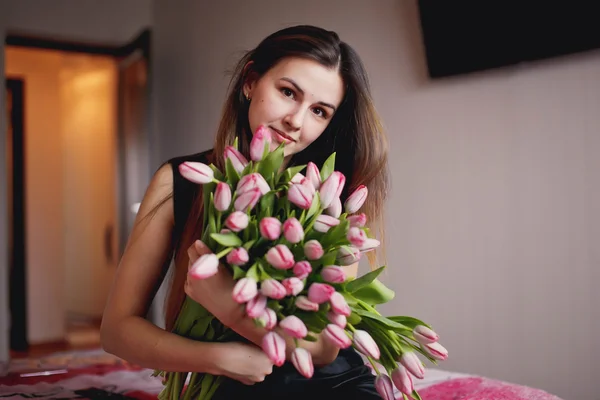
(296, 100)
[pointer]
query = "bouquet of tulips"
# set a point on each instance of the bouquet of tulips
(285, 238)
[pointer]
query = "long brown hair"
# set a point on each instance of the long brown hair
(355, 133)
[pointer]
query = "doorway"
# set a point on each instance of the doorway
(76, 165)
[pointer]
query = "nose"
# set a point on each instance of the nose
(295, 118)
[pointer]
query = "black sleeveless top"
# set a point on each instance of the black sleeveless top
(184, 193)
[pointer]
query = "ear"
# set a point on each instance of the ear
(250, 78)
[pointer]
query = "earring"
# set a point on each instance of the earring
(247, 97)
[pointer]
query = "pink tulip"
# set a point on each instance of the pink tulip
(247, 201)
(436, 350)
(237, 221)
(320, 292)
(297, 178)
(411, 362)
(294, 327)
(292, 285)
(313, 250)
(311, 189)
(356, 200)
(314, 175)
(358, 220)
(244, 290)
(238, 161)
(348, 255)
(369, 244)
(333, 274)
(337, 336)
(222, 196)
(261, 137)
(196, 172)
(292, 230)
(272, 288)
(302, 269)
(337, 319)
(300, 195)
(365, 344)
(424, 335)
(303, 303)
(238, 256)
(256, 306)
(302, 361)
(339, 304)
(384, 387)
(268, 318)
(204, 267)
(270, 228)
(224, 231)
(402, 380)
(274, 347)
(325, 222)
(356, 236)
(332, 188)
(335, 209)
(253, 181)
(280, 257)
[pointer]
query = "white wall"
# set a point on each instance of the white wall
(109, 21)
(495, 208)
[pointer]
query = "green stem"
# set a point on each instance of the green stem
(374, 365)
(224, 252)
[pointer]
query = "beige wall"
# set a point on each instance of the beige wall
(493, 218)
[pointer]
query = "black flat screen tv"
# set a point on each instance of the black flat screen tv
(463, 36)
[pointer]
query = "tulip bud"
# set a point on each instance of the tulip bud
(356, 200)
(225, 231)
(270, 228)
(292, 230)
(384, 387)
(320, 292)
(331, 188)
(300, 195)
(303, 303)
(272, 288)
(335, 209)
(424, 335)
(411, 362)
(238, 161)
(436, 350)
(244, 290)
(294, 327)
(302, 269)
(348, 255)
(247, 200)
(333, 274)
(313, 174)
(302, 361)
(196, 172)
(222, 196)
(256, 306)
(253, 181)
(365, 344)
(325, 222)
(308, 184)
(337, 319)
(337, 336)
(313, 250)
(358, 220)
(356, 236)
(260, 139)
(402, 380)
(237, 221)
(204, 267)
(238, 256)
(268, 319)
(292, 285)
(369, 245)
(297, 178)
(280, 257)
(274, 347)
(339, 304)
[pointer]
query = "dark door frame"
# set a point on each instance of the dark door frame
(18, 266)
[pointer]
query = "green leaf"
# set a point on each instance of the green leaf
(267, 203)
(385, 321)
(218, 174)
(364, 280)
(408, 321)
(336, 234)
(328, 167)
(313, 322)
(354, 318)
(227, 239)
(374, 293)
(290, 172)
(329, 258)
(232, 175)
(249, 244)
(200, 327)
(235, 143)
(238, 273)
(253, 273)
(314, 207)
(310, 338)
(415, 395)
(271, 163)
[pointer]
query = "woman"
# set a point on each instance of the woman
(311, 90)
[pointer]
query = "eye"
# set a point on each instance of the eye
(320, 112)
(288, 92)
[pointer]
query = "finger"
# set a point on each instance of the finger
(201, 248)
(193, 255)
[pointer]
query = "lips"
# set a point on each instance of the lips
(280, 136)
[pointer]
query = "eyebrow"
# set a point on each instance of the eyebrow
(298, 88)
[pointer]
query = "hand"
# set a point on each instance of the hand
(246, 363)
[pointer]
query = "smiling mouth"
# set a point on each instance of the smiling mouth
(282, 135)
